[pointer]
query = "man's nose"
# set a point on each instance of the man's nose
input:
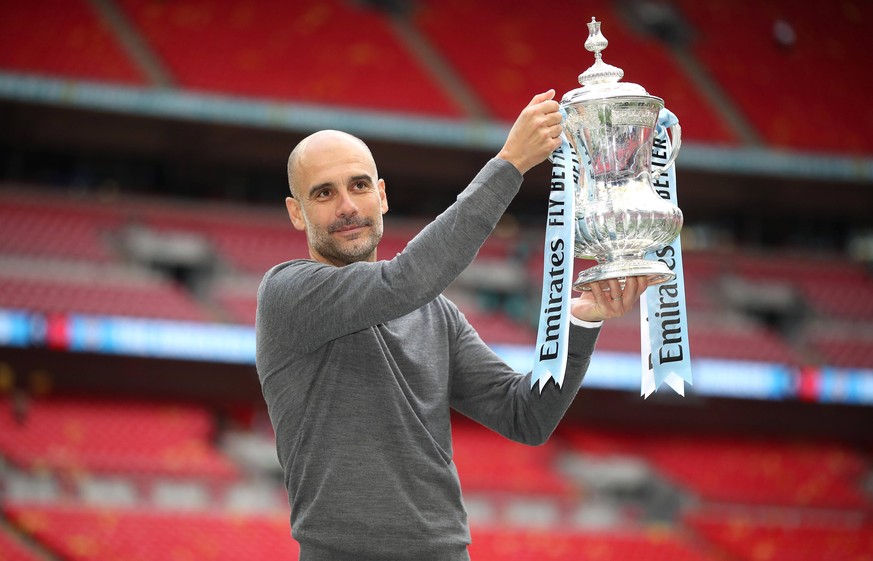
(346, 206)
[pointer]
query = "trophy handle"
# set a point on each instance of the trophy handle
(676, 133)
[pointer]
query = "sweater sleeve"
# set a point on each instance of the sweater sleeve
(324, 302)
(487, 390)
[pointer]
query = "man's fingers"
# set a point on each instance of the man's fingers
(600, 297)
(631, 292)
(615, 294)
(633, 289)
(539, 98)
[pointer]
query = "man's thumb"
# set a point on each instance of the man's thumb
(539, 98)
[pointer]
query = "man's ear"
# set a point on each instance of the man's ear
(295, 213)
(383, 196)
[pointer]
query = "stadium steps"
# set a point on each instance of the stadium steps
(16, 545)
(132, 42)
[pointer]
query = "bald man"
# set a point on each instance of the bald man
(360, 359)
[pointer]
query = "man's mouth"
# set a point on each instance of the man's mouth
(348, 228)
(345, 227)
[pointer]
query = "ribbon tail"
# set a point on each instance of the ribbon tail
(676, 382)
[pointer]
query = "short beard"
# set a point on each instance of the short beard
(360, 249)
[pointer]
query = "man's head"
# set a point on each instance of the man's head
(337, 198)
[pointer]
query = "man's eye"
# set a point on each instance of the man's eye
(361, 185)
(324, 193)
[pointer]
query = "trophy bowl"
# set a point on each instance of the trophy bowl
(619, 215)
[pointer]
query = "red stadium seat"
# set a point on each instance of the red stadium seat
(106, 437)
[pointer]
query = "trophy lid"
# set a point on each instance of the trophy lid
(601, 80)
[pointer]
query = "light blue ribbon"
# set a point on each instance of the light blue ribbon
(550, 352)
(669, 359)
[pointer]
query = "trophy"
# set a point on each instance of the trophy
(619, 215)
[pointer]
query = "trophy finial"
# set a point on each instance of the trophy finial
(596, 42)
(599, 72)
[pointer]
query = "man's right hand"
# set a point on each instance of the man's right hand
(535, 134)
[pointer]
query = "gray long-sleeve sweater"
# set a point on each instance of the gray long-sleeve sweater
(359, 366)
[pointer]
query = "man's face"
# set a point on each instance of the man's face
(338, 200)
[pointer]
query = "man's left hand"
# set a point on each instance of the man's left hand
(607, 300)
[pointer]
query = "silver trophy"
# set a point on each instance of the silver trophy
(619, 216)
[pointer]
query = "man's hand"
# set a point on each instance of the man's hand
(607, 300)
(535, 134)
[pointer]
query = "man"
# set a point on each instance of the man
(360, 360)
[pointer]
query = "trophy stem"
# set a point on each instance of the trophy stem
(621, 267)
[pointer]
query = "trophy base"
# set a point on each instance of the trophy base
(656, 271)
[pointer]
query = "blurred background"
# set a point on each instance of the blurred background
(142, 183)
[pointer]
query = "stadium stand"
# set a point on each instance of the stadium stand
(743, 470)
(93, 479)
(69, 231)
(768, 76)
(498, 48)
(780, 536)
(225, 537)
(815, 486)
(79, 534)
(47, 239)
(112, 437)
(318, 54)
(533, 545)
(715, 339)
(844, 350)
(159, 300)
(488, 462)
(66, 40)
